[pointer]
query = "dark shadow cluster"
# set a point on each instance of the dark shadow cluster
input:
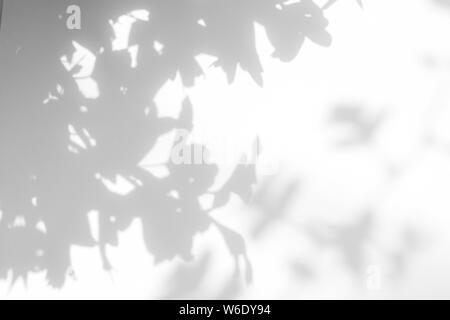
(47, 191)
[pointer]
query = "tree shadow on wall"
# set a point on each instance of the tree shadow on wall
(49, 184)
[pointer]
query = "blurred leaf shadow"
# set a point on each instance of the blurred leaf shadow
(362, 125)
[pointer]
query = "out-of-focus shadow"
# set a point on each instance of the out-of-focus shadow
(442, 3)
(354, 243)
(411, 242)
(186, 279)
(361, 125)
(348, 240)
(302, 270)
(272, 205)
